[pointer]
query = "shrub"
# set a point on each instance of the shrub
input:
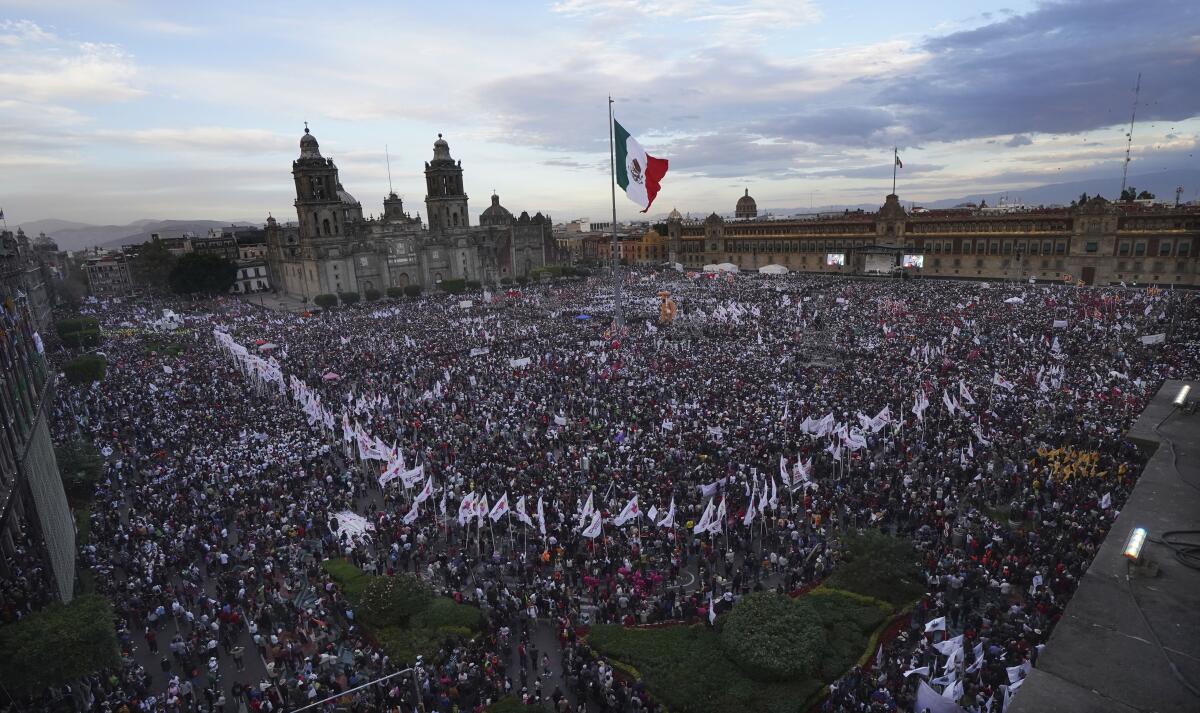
(85, 369)
(350, 578)
(391, 601)
(80, 465)
(412, 290)
(395, 292)
(583, 272)
(881, 567)
(348, 298)
(522, 280)
(78, 332)
(58, 644)
(773, 638)
(453, 287)
(372, 294)
(325, 301)
(444, 613)
(474, 284)
(506, 281)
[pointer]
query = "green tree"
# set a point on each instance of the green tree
(202, 273)
(84, 369)
(395, 292)
(391, 601)
(474, 284)
(1128, 194)
(59, 644)
(78, 332)
(326, 301)
(1145, 196)
(153, 265)
(372, 294)
(412, 290)
(80, 465)
(348, 298)
(1083, 198)
(660, 228)
(773, 638)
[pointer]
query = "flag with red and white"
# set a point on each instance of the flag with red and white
(638, 173)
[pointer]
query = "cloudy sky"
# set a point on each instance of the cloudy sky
(115, 110)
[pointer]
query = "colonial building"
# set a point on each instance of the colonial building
(1098, 242)
(332, 248)
(108, 274)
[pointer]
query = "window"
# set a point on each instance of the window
(1033, 247)
(1007, 247)
(1047, 247)
(1060, 248)
(1123, 248)
(1092, 247)
(994, 248)
(1164, 247)
(1139, 248)
(947, 247)
(1185, 248)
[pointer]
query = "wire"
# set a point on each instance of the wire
(1174, 669)
(1185, 550)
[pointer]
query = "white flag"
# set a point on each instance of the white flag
(425, 491)
(466, 508)
(668, 520)
(521, 514)
(705, 519)
(541, 517)
(411, 516)
(629, 513)
(500, 509)
(938, 624)
(592, 531)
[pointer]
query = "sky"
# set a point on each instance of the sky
(118, 110)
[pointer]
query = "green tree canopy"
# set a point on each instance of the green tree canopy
(348, 298)
(390, 601)
(773, 637)
(58, 644)
(153, 265)
(85, 368)
(81, 466)
(202, 273)
(325, 301)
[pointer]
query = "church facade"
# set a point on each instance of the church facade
(333, 249)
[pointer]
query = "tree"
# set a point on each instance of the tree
(80, 465)
(202, 273)
(58, 644)
(153, 265)
(372, 294)
(348, 298)
(773, 638)
(1083, 198)
(391, 601)
(412, 290)
(1145, 196)
(78, 332)
(395, 292)
(454, 287)
(326, 301)
(1128, 194)
(84, 369)
(660, 228)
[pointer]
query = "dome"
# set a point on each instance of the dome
(344, 196)
(714, 218)
(441, 149)
(746, 207)
(495, 214)
(45, 242)
(309, 148)
(674, 214)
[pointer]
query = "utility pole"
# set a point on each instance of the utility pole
(1137, 88)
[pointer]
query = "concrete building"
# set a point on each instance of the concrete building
(332, 248)
(1098, 242)
(37, 531)
(108, 274)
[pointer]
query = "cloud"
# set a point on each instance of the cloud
(1018, 140)
(41, 66)
(732, 16)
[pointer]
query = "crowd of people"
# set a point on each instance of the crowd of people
(522, 453)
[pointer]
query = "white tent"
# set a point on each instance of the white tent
(1015, 301)
(727, 267)
(677, 267)
(712, 268)
(773, 269)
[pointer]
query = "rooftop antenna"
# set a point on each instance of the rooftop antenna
(1137, 88)
(388, 158)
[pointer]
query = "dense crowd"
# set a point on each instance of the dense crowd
(984, 422)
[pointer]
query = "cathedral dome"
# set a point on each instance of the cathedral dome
(45, 242)
(308, 145)
(746, 207)
(495, 214)
(674, 214)
(344, 196)
(441, 149)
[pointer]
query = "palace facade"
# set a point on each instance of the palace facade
(1098, 242)
(333, 249)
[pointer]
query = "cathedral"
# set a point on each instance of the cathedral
(332, 248)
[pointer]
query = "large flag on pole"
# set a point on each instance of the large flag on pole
(638, 173)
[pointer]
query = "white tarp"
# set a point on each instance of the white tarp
(1153, 338)
(352, 524)
(727, 267)
(1014, 301)
(465, 303)
(773, 270)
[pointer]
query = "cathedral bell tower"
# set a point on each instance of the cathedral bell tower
(318, 206)
(445, 201)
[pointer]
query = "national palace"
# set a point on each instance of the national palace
(1098, 242)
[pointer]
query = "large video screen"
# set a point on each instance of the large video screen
(917, 261)
(838, 259)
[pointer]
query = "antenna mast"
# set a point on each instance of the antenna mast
(388, 158)
(1137, 88)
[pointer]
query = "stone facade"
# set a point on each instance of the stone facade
(332, 248)
(1098, 242)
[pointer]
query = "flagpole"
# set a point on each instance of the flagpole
(618, 307)
(895, 155)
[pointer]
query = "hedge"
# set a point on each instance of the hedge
(506, 281)
(85, 369)
(412, 290)
(371, 294)
(774, 638)
(522, 280)
(695, 669)
(325, 301)
(78, 332)
(879, 566)
(395, 292)
(454, 287)
(474, 284)
(348, 298)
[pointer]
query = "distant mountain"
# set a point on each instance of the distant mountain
(1161, 184)
(73, 236)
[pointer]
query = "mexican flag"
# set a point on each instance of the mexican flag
(638, 173)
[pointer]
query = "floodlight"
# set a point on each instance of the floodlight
(1133, 545)
(1181, 398)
